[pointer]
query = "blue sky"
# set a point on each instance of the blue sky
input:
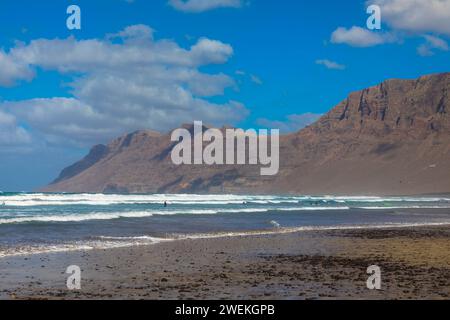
(156, 64)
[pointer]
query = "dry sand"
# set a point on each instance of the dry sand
(415, 264)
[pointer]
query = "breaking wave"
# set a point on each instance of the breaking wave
(42, 199)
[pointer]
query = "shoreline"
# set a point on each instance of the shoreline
(66, 248)
(308, 264)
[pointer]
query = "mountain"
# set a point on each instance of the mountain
(390, 139)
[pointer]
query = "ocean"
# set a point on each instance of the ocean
(35, 222)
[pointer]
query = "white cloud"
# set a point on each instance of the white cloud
(243, 75)
(424, 51)
(137, 49)
(436, 42)
(125, 82)
(404, 18)
(68, 120)
(292, 122)
(418, 16)
(11, 134)
(196, 6)
(11, 70)
(138, 31)
(330, 64)
(62, 119)
(360, 37)
(256, 79)
(207, 51)
(432, 43)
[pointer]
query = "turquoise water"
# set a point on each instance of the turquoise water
(36, 222)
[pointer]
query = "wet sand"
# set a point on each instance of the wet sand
(415, 264)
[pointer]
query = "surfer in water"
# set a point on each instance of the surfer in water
(165, 204)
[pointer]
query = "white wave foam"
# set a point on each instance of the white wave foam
(106, 242)
(27, 218)
(117, 215)
(312, 228)
(153, 239)
(405, 207)
(311, 208)
(21, 218)
(77, 217)
(103, 244)
(42, 199)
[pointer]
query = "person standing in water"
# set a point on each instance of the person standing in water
(165, 204)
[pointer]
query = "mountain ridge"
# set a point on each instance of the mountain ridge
(390, 139)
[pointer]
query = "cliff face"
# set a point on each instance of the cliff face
(391, 139)
(95, 155)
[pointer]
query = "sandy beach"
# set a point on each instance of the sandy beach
(415, 264)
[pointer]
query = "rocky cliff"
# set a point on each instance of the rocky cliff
(391, 139)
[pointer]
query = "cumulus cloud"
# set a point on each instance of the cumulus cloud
(138, 31)
(137, 49)
(432, 43)
(360, 37)
(196, 6)
(419, 16)
(11, 134)
(125, 82)
(207, 51)
(403, 18)
(12, 70)
(292, 123)
(61, 119)
(330, 64)
(68, 120)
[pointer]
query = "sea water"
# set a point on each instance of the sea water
(37, 222)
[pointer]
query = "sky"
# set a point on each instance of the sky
(138, 64)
